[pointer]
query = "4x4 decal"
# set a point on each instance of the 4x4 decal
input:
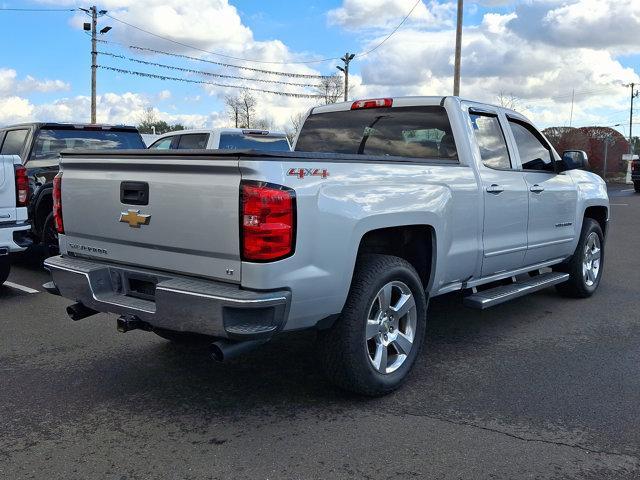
(308, 172)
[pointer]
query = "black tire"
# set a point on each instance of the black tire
(636, 186)
(184, 338)
(5, 268)
(577, 286)
(49, 237)
(343, 348)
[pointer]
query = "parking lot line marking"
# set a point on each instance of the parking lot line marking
(21, 287)
(628, 190)
(619, 204)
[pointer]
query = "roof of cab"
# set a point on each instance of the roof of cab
(79, 126)
(270, 133)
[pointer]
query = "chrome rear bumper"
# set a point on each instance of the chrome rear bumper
(169, 301)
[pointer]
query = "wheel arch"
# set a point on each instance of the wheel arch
(600, 214)
(42, 207)
(415, 243)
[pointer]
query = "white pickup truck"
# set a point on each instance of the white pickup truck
(384, 204)
(14, 198)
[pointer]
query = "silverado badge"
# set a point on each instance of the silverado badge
(134, 218)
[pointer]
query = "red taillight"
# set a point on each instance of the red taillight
(22, 186)
(372, 103)
(57, 202)
(267, 221)
(635, 165)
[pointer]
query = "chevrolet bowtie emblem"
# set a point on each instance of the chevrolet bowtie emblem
(134, 218)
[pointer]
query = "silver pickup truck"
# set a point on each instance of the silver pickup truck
(384, 204)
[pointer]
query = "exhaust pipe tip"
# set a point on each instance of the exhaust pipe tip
(223, 350)
(216, 352)
(78, 311)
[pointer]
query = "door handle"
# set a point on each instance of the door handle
(536, 189)
(495, 189)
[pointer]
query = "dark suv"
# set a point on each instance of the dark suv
(39, 145)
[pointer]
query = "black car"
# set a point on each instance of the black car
(39, 146)
(635, 174)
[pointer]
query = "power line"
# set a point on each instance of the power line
(38, 9)
(216, 53)
(392, 32)
(221, 64)
(204, 82)
(211, 74)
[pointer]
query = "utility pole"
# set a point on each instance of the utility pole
(573, 97)
(94, 60)
(346, 59)
(93, 28)
(456, 72)
(633, 95)
(606, 154)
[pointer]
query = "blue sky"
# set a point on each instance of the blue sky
(534, 52)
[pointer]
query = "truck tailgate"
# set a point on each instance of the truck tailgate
(187, 222)
(7, 189)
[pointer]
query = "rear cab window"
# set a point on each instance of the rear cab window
(253, 141)
(50, 142)
(415, 132)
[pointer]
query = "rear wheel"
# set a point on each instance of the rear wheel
(50, 236)
(374, 344)
(585, 266)
(5, 268)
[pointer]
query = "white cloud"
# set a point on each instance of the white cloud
(15, 110)
(581, 23)
(358, 14)
(10, 84)
(494, 60)
(112, 108)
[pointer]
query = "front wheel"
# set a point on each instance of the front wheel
(636, 186)
(585, 266)
(373, 346)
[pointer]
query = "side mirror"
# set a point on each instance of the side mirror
(574, 159)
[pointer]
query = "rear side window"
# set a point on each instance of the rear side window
(193, 141)
(534, 154)
(416, 132)
(14, 142)
(490, 139)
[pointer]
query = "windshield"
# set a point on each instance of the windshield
(418, 132)
(237, 141)
(50, 142)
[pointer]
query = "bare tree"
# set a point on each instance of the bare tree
(265, 123)
(295, 123)
(509, 101)
(331, 88)
(248, 105)
(150, 123)
(233, 108)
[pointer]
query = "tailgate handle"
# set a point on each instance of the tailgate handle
(134, 193)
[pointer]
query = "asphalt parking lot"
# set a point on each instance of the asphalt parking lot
(542, 387)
